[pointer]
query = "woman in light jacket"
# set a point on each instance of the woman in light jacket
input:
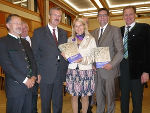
(80, 75)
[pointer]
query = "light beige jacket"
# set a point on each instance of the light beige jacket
(86, 51)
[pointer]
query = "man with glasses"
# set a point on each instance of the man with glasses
(20, 68)
(107, 36)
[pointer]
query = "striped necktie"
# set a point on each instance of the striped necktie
(125, 45)
(54, 36)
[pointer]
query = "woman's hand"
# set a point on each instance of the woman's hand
(63, 54)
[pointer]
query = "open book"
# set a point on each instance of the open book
(70, 51)
(102, 56)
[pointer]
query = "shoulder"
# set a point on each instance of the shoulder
(4, 38)
(114, 27)
(62, 30)
(70, 39)
(40, 29)
(95, 30)
(89, 36)
(4, 41)
(142, 25)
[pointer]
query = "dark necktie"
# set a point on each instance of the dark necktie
(100, 35)
(125, 44)
(29, 74)
(54, 36)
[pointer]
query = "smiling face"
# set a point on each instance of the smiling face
(129, 16)
(79, 28)
(25, 30)
(55, 17)
(14, 26)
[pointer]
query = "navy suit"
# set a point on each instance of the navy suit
(14, 63)
(132, 68)
(51, 69)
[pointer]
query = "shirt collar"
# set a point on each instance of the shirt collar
(131, 26)
(13, 36)
(51, 28)
(104, 27)
(25, 37)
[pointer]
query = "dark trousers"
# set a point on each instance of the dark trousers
(51, 92)
(80, 105)
(35, 98)
(128, 86)
(20, 104)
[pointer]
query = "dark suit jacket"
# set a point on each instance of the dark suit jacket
(46, 54)
(138, 49)
(14, 63)
(111, 38)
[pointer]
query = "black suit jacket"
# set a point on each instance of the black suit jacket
(138, 49)
(14, 63)
(46, 54)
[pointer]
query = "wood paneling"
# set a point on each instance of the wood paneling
(3, 31)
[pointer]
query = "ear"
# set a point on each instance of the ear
(8, 25)
(97, 18)
(48, 16)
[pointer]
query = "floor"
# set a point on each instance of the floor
(67, 103)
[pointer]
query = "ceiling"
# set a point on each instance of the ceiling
(89, 7)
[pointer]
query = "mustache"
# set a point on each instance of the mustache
(57, 20)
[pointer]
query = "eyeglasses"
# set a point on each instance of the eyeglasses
(16, 23)
(104, 15)
(56, 15)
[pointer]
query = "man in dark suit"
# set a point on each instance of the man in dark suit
(51, 65)
(107, 36)
(135, 64)
(20, 68)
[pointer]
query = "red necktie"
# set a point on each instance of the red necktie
(54, 36)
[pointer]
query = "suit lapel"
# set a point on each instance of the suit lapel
(134, 27)
(97, 35)
(122, 31)
(104, 34)
(50, 36)
(59, 36)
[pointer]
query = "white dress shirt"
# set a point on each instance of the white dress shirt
(51, 30)
(103, 30)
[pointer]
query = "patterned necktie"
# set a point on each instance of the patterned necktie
(125, 44)
(100, 35)
(54, 36)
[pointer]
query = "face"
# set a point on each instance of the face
(79, 28)
(55, 17)
(25, 30)
(103, 18)
(129, 16)
(15, 26)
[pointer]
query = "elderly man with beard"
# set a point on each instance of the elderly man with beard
(51, 65)
(19, 65)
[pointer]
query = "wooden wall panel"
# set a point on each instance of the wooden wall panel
(35, 25)
(3, 31)
(2, 19)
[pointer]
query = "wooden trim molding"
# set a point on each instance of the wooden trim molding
(19, 8)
